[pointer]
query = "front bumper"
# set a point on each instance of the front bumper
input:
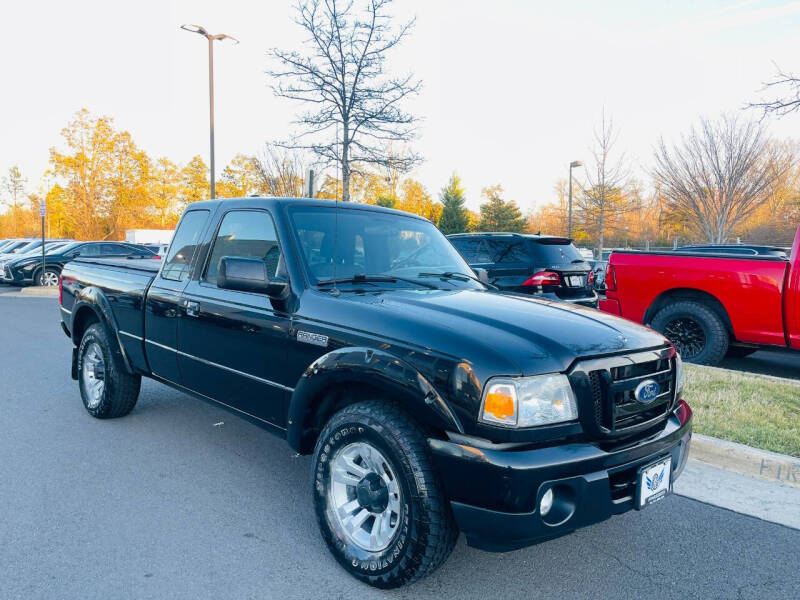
(494, 493)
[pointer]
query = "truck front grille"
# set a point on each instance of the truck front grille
(608, 391)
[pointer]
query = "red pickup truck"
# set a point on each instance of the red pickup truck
(709, 305)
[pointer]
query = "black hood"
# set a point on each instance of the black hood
(519, 334)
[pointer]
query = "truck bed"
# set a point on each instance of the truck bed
(124, 283)
(750, 288)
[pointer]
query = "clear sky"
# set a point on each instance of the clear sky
(512, 89)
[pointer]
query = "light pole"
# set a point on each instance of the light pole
(211, 38)
(572, 165)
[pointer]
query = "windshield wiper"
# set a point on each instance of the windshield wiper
(459, 276)
(375, 279)
(578, 260)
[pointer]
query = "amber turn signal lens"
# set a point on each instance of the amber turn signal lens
(500, 404)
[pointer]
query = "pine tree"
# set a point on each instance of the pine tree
(499, 215)
(455, 217)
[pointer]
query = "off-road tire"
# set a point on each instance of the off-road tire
(427, 532)
(716, 336)
(121, 389)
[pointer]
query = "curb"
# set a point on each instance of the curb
(722, 370)
(761, 464)
(50, 292)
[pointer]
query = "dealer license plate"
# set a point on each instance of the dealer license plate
(575, 280)
(654, 482)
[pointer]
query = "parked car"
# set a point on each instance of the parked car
(159, 249)
(710, 305)
(739, 249)
(13, 246)
(36, 253)
(27, 270)
(430, 403)
(546, 266)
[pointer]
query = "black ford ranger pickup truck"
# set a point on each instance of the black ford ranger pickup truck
(432, 403)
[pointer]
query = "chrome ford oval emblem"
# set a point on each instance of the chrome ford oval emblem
(647, 391)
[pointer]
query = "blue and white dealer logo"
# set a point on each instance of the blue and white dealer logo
(647, 391)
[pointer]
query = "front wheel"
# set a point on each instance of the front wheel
(380, 507)
(49, 278)
(697, 331)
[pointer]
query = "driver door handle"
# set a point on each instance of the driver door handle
(192, 308)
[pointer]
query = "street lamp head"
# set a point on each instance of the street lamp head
(575, 163)
(224, 36)
(203, 31)
(195, 29)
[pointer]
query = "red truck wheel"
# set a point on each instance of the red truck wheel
(696, 330)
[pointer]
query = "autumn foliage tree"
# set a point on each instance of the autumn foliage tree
(498, 214)
(454, 217)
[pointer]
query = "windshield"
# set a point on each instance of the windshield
(13, 246)
(371, 243)
(27, 247)
(61, 247)
(64, 248)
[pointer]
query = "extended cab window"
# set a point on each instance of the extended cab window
(245, 234)
(184, 245)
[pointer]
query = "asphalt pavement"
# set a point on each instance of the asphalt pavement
(181, 499)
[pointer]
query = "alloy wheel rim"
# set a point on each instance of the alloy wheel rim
(49, 279)
(364, 497)
(93, 373)
(687, 335)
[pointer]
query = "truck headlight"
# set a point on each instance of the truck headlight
(528, 401)
(678, 375)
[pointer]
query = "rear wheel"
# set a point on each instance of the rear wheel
(378, 501)
(696, 330)
(107, 390)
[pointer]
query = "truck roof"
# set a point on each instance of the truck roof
(274, 202)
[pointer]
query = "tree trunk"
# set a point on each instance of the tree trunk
(346, 165)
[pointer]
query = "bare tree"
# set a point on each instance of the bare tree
(788, 86)
(280, 172)
(343, 78)
(716, 176)
(602, 199)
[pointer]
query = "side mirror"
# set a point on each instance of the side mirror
(248, 275)
(482, 274)
(75, 255)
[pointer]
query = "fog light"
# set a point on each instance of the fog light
(546, 502)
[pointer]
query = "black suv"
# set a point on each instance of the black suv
(543, 265)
